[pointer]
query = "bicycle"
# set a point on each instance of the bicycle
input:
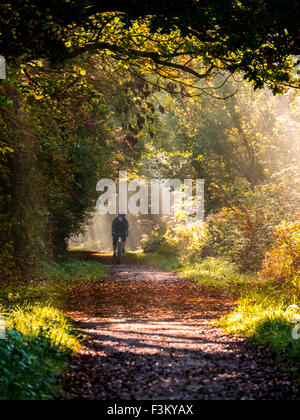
(119, 249)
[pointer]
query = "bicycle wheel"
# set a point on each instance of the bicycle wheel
(119, 252)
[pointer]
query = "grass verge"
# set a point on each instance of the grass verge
(267, 316)
(54, 281)
(39, 337)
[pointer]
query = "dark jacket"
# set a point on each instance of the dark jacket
(120, 227)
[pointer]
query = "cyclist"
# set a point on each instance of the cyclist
(120, 227)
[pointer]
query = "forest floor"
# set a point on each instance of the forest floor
(150, 335)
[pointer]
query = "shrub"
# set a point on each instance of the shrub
(54, 282)
(152, 242)
(245, 231)
(176, 237)
(237, 234)
(187, 238)
(282, 262)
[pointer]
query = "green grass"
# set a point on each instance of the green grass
(164, 262)
(265, 316)
(33, 356)
(40, 338)
(54, 281)
(213, 273)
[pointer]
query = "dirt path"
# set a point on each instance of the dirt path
(152, 336)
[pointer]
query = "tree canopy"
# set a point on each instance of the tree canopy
(256, 37)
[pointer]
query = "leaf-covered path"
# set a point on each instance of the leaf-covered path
(152, 336)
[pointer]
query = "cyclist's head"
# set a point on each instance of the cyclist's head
(122, 215)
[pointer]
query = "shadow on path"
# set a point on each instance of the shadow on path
(152, 336)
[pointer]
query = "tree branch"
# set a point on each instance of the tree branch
(155, 57)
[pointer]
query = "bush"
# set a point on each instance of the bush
(282, 262)
(236, 234)
(188, 238)
(245, 231)
(40, 338)
(216, 273)
(152, 242)
(176, 237)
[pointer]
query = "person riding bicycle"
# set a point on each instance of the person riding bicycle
(120, 228)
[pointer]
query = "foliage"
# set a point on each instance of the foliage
(175, 235)
(54, 281)
(246, 231)
(190, 31)
(250, 138)
(155, 241)
(213, 273)
(186, 236)
(267, 320)
(61, 134)
(243, 232)
(246, 149)
(282, 262)
(39, 340)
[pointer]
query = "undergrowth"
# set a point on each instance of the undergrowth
(39, 337)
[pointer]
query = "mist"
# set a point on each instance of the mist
(98, 236)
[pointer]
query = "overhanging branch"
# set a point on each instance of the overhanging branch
(132, 53)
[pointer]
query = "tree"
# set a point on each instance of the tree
(248, 138)
(63, 131)
(246, 149)
(256, 37)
